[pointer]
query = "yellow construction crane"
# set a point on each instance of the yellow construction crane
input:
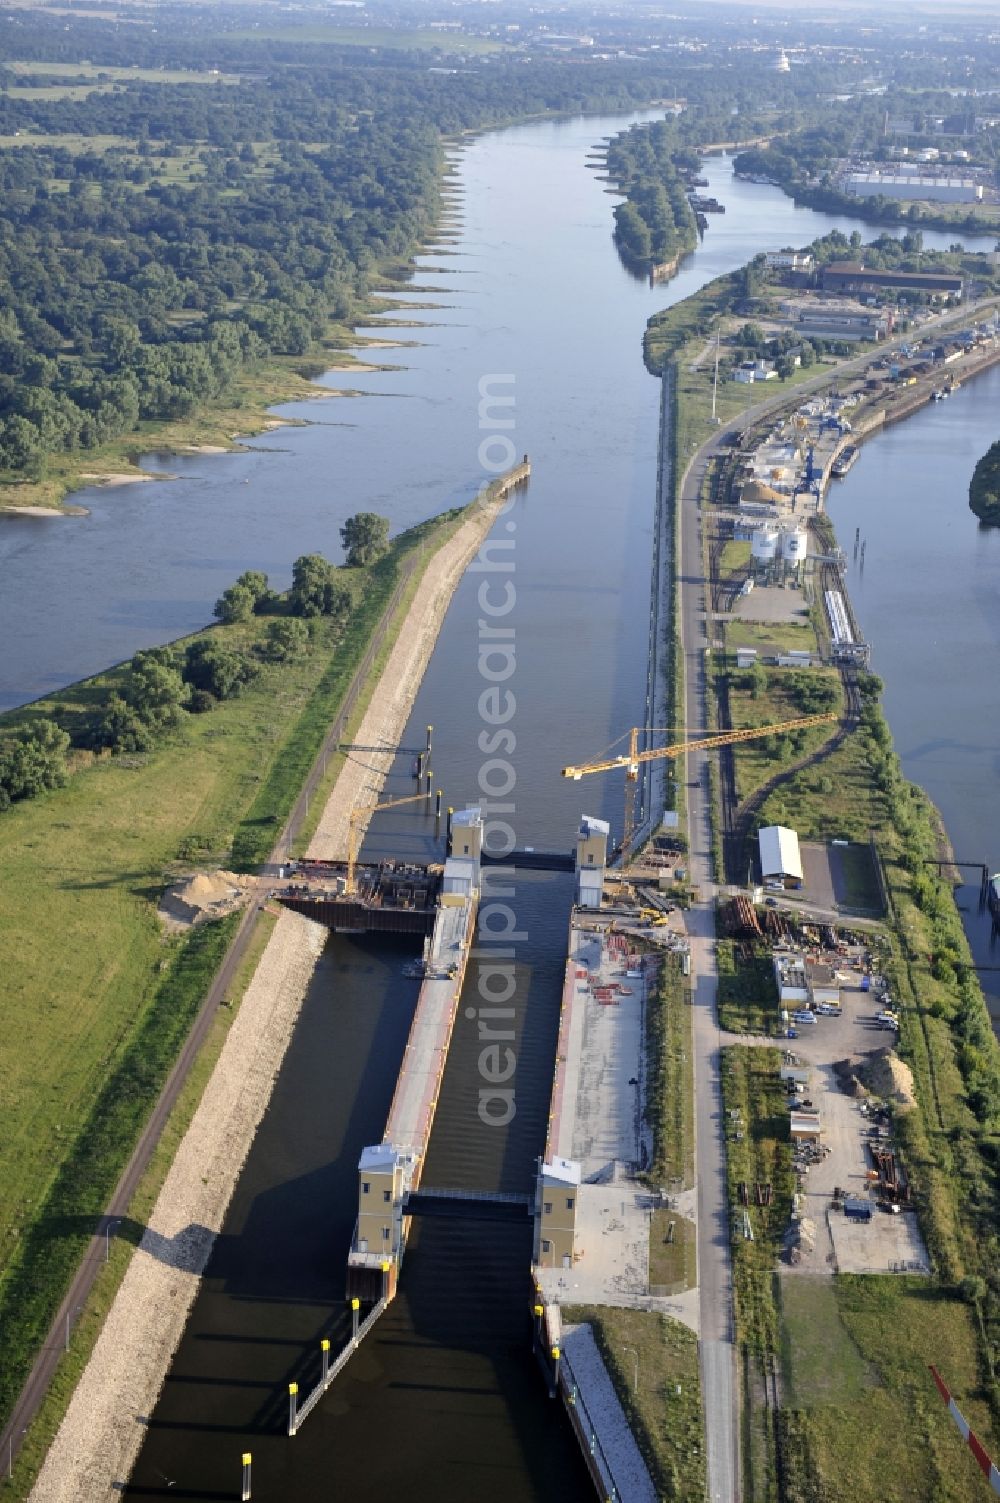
(361, 815)
(635, 758)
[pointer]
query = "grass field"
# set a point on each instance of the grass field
(673, 1256)
(421, 39)
(867, 1424)
(758, 1150)
(776, 636)
(757, 761)
(860, 880)
(747, 995)
(100, 73)
(820, 1363)
(90, 1320)
(664, 1405)
(670, 1079)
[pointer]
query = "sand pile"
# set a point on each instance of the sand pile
(881, 1074)
(204, 895)
(885, 1075)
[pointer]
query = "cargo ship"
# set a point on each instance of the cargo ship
(844, 460)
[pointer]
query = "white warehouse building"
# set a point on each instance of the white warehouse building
(939, 190)
(780, 858)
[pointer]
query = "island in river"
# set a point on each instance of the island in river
(984, 487)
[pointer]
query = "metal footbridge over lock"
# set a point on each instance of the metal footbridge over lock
(470, 1205)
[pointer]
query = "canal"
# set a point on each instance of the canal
(534, 306)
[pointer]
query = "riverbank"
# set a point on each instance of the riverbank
(216, 428)
(360, 780)
(99, 1438)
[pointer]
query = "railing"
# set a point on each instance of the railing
(297, 1413)
(496, 1197)
(586, 1433)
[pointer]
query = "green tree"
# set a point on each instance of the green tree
(235, 604)
(312, 582)
(215, 668)
(121, 728)
(365, 538)
(32, 760)
(285, 639)
(155, 689)
(256, 582)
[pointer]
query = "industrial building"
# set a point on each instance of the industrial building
(591, 860)
(821, 320)
(938, 190)
(780, 858)
(851, 276)
(557, 1190)
(777, 552)
(789, 260)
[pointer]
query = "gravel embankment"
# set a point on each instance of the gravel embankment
(361, 778)
(99, 1439)
(101, 1433)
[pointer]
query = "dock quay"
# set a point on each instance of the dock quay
(591, 1210)
(442, 903)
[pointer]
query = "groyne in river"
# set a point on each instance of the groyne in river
(539, 325)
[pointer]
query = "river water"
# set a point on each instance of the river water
(442, 1400)
(928, 598)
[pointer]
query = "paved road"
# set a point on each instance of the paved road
(718, 1353)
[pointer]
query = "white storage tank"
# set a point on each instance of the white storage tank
(794, 546)
(764, 545)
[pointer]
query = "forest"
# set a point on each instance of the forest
(158, 239)
(656, 223)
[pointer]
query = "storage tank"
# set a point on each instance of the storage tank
(764, 546)
(794, 546)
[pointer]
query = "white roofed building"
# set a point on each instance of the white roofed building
(780, 858)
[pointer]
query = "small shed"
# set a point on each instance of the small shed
(856, 1209)
(790, 978)
(805, 1127)
(824, 984)
(780, 859)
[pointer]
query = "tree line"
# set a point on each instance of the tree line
(133, 292)
(150, 698)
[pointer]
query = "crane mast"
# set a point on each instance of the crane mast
(634, 758)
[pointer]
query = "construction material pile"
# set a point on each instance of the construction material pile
(205, 895)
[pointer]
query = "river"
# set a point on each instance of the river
(442, 1400)
(928, 598)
